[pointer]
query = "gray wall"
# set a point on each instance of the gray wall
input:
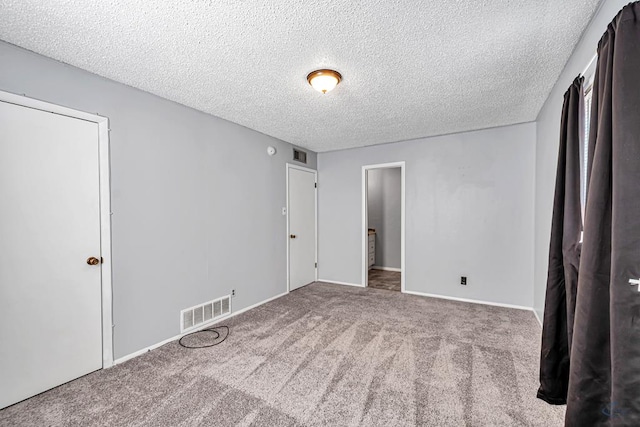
(384, 214)
(548, 133)
(469, 211)
(196, 199)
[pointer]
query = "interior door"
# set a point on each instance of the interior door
(302, 228)
(50, 291)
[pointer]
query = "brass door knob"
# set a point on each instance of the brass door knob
(293, 236)
(93, 261)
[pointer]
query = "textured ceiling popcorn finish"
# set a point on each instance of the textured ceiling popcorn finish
(411, 68)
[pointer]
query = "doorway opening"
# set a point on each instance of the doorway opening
(383, 226)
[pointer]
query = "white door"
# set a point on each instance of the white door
(50, 297)
(302, 228)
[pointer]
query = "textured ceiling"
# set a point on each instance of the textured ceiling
(411, 68)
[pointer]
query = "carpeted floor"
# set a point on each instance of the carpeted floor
(387, 280)
(324, 355)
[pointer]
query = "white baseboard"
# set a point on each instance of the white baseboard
(398, 270)
(340, 283)
(535, 313)
(473, 301)
(177, 337)
(258, 304)
(152, 347)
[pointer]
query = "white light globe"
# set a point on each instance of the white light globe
(324, 80)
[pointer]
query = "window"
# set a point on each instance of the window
(588, 92)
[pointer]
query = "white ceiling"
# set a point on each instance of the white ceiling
(411, 68)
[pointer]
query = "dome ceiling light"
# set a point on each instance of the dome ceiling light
(324, 80)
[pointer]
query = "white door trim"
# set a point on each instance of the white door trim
(365, 224)
(105, 206)
(315, 174)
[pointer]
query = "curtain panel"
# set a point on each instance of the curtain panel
(604, 378)
(564, 254)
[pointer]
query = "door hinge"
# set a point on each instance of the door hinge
(315, 185)
(316, 265)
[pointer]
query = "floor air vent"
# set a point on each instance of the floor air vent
(199, 315)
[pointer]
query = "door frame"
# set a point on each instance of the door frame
(290, 166)
(365, 221)
(105, 206)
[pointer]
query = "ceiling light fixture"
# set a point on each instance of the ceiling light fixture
(324, 80)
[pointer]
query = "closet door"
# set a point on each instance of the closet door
(302, 227)
(50, 272)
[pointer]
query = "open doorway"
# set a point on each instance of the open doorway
(383, 226)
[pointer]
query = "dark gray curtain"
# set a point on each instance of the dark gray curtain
(564, 254)
(604, 379)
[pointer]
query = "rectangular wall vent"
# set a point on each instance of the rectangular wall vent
(299, 156)
(199, 315)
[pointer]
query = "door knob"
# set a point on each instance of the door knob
(293, 236)
(93, 261)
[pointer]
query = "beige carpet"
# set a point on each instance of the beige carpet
(324, 355)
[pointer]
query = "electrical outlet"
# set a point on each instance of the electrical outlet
(463, 280)
(233, 292)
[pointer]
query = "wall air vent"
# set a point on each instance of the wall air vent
(200, 315)
(299, 156)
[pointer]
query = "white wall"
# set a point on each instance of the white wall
(548, 134)
(469, 211)
(384, 214)
(196, 199)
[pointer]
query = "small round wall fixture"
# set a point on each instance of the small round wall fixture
(324, 80)
(271, 151)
